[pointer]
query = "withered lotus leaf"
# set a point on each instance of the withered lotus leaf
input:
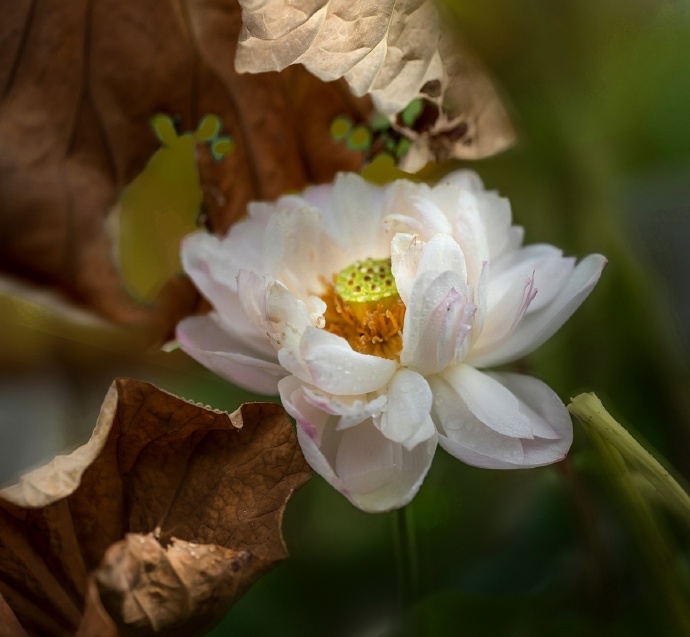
(396, 51)
(9, 624)
(79, 83)
(155, 526)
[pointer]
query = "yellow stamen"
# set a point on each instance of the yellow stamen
(364, 307)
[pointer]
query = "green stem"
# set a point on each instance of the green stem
(588, 408)
(617, 447)
(407, 563)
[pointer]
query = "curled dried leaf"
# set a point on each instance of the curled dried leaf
(396, 51)
(163, 519)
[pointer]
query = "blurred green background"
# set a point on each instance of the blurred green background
(600, 96)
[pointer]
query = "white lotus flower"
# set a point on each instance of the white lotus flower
(373, 311)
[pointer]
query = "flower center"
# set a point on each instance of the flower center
(364, 307)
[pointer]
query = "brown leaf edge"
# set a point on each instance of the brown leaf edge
(155, 526)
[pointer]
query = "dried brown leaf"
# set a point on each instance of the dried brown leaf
(159, 522)
(466, 119)
(79, 83)
(9, 624)
(393, 50)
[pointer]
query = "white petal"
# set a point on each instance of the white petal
(380, 475)
(206, 342)
(252, 291)
(539, 326)
(406, 418)
(519, 263)
(406, 249)
(504, 317)
(366, 461)
(330, 364)
(551, 423)
(464, 436)
(470, 233)
(374, 473)
(462, 179)
(416, 211)
(351, 409)
(488, 401)
(497, 217)
(291, 249)
(442, 253)
(287, 317)
(355, 220)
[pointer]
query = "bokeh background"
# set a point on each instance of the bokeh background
(600, 96)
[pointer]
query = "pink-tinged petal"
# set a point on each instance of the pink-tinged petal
(350, 409)
(464, 436)
(438, 314)
(481, 296)
(374, 473)
(551, 422)
(316, 429)
(544, 262)
(202, 338)
(406, 418)
(549, 278)
(437, 321)
(537, 327)
(205, 259)
(240, 327)
(460, 447)
(489, 401)
(329, 363)
(504, 317)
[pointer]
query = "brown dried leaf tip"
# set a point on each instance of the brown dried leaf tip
(155, 526)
